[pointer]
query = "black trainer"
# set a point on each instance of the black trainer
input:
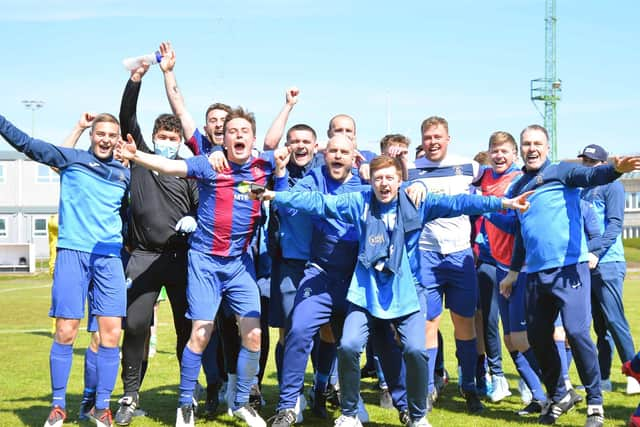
(185, 416)
(534, 407)
(554, 410)
(318, 401)
(212, 401)
(255, 398)
(128, 405)
(405, 418)
(284, 418)
(474, 405)
(333, 395)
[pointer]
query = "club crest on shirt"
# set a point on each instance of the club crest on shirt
(306, 292)
(376, 240)
(539, 179)
(457, 170)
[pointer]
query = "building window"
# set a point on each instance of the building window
(46, 175)
(632, 201)
(632, 232)
(39, 227)
(3, 227)
(2, 176)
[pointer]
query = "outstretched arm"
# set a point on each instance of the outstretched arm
(275, 132)
(128, 151)
(173, 92)
(35, 149)
(345, 207)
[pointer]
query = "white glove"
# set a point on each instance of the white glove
(186, 224)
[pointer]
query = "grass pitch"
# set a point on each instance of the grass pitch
(25, 337)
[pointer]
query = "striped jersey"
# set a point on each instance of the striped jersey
(453, 175)
(227, 218)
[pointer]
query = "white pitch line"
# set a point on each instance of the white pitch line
(31, 331)
(24, 288)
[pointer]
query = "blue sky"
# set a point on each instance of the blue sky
(467, 60)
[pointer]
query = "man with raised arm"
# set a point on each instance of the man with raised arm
(92, 193)
(214, 116)
(162, 210)
(219, 265)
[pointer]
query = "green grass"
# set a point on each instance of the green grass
(632, 255)
(25, 393)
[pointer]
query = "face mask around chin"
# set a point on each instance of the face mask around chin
(163, 149)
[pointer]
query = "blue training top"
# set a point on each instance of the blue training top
(608, 203)
(552, 230)
(91, 192)
(385, 296)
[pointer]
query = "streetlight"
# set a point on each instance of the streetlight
(33, 106)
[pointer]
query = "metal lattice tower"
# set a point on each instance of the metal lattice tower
(547, 90)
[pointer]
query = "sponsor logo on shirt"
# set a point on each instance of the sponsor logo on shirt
(376, 240)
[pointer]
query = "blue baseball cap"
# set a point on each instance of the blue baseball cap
(594, 152)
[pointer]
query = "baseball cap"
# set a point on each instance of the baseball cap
(594, 152)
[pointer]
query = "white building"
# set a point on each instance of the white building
(631, 228)
(29, 193)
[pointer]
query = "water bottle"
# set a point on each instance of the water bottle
(136, 61)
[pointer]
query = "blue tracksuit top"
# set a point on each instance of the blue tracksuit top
(332, 240)
(552, 230)
(385, 296)
(608, 203)
(295, 227)
(91, 192)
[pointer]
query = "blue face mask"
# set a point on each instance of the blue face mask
(165, 149)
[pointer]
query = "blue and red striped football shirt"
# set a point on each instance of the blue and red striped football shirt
(227, 218)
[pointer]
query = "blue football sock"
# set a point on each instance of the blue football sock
(248, 366)
(569, 355)
(108, 359)
(60, 359)
(562, 352)
(432, 355)
(468, 355)
(90, 372)
(189, 370)
(528, 375)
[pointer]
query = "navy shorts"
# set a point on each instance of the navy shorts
(452, 276)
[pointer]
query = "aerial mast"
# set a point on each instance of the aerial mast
(547, 90)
